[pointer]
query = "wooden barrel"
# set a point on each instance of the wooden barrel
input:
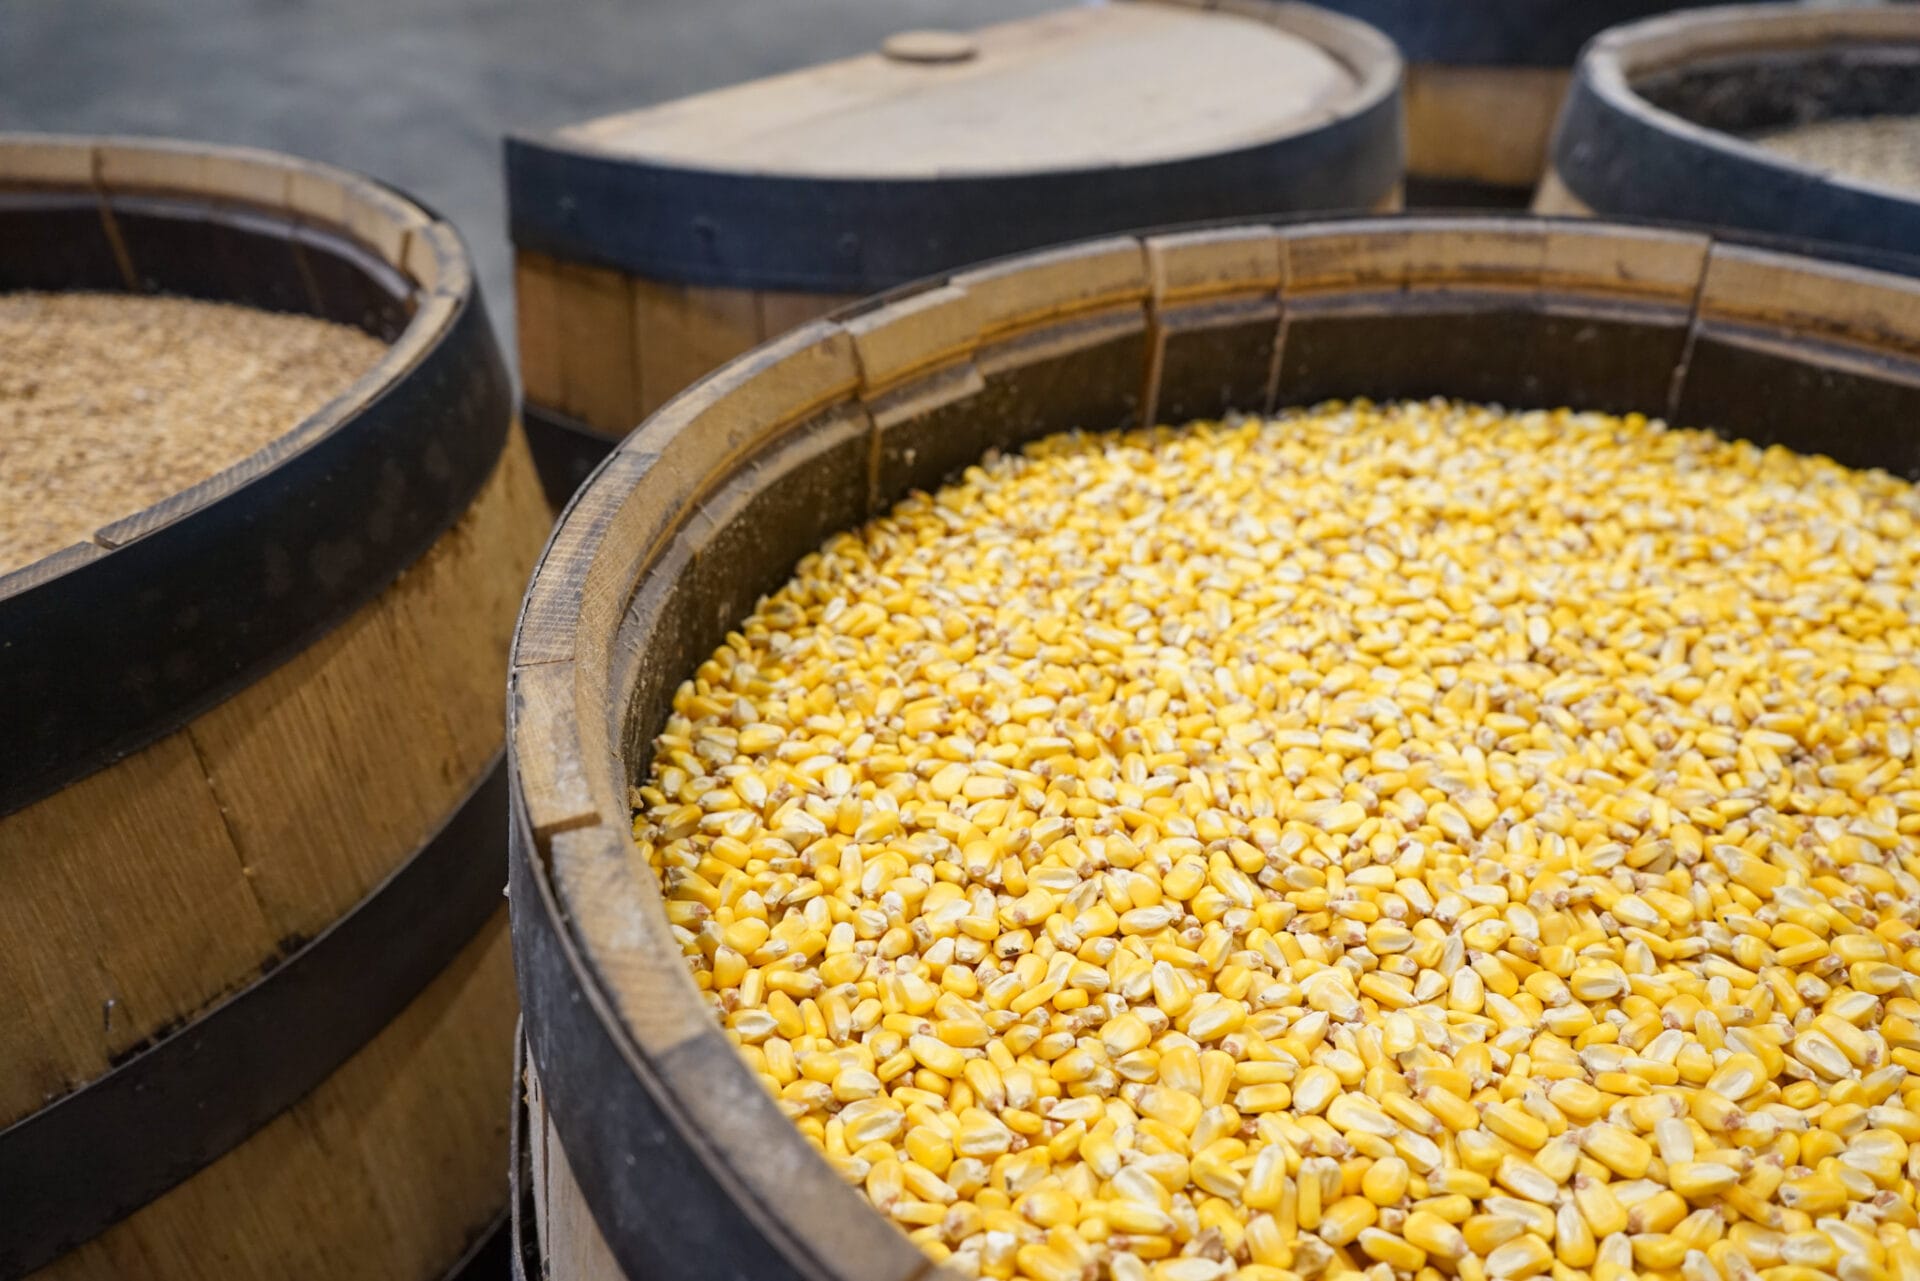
(1663, 116)
(654, 245)
(655, 1149)
(1484, 81)
(257, 997)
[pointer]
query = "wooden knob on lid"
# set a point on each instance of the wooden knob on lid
(929, 46)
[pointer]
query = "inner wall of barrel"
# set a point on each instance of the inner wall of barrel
(820, 476)
(1753, 93)
(68, 241)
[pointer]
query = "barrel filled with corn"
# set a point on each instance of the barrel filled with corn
(1263, 753)
(1790, 119)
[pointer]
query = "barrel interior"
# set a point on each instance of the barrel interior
(215, 251)
(225, 225)
(1747, 94)
(833, 424)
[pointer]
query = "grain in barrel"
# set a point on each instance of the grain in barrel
(1383, 838)
(264, 513)
(1484, 80)
(1878, 149)
(1790, 120)
(111, 402)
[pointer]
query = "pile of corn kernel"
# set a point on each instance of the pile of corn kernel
(1419, 840)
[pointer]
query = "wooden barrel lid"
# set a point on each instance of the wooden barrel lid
(943, 148)
(1660, 118)
(1081, 88)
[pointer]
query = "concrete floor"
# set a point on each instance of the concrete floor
(415, 92)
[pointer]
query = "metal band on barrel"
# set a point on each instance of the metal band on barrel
(73, 1169)
(752, 231)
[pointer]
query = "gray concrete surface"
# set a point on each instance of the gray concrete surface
(415, 92)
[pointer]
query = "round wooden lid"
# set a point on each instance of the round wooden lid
(1081, 88)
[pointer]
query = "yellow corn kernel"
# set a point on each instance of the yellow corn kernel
(1524, 1256)
(1658, 1251)
(1574, 1242)
(1598, 1206)
(1342, 1221)
(1394, 1251)
(1385, 1181)
(1659, 1213)
(1701, 1180)
(1454, 1111)
(1435, 1235)
(1484, 1233)
(1515, 1126)
(1625, 1154)
(1815, 1194)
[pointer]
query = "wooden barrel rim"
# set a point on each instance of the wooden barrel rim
(686, 225)
(113, 643)
(1618, 152)
(624, 1044)
(1500, 33)
(68, 1172)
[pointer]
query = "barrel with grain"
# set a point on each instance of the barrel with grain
(257, 998)
(1484, 81)
(652, 1149)
(656, 244)
(1662, 119)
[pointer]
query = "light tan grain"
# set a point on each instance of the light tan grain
(1881, 149)
(111, 402)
